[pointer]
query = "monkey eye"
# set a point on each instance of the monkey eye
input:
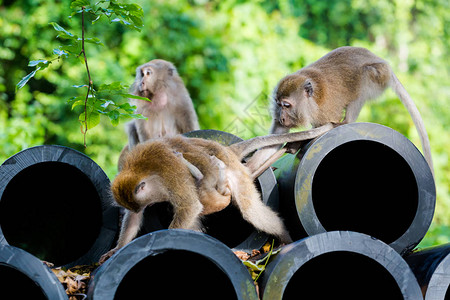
(285, 104)
(139, 187)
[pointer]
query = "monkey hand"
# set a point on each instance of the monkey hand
(107, 255)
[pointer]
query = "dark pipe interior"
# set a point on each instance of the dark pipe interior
(175, 274)
(367, 187)
(16, 285)
(227, 225)
(342, 275)
(51, 210)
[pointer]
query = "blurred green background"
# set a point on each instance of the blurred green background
(230, 54)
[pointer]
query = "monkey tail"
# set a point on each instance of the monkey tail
(415, 115)
(244, 148)
(253, 210)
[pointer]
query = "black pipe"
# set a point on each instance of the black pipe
(173, 264)
(23, 276)
(228, 226)
(359, 177)
(55, 204)
(338, 265)
(432, 269)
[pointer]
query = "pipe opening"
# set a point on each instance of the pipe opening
(51, 210)
(342, 275)
(16, 285)
(176, 274)
(367, 187)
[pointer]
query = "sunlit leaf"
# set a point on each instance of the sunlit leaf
(60, 52)
(34, 63)
(26, 79)
(64, 33)
(80, 86)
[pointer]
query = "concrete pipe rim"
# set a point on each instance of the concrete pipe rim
(160, 242)
(82, 169)
(293, 257)
(380, 135)
(33, 268)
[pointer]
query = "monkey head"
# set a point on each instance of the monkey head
(152, 81)
(293, 103)
(135, 192)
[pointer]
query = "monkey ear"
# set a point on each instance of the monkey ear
(308, 89)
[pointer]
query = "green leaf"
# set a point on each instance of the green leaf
(94, 41)
(127, 107)
(77, 103)
(92, 120)
(136, 97)
(74, 49)
(112, 87)
(114, 117)
(65, 34)
(79, 3)
(137, 116)
(26, 79)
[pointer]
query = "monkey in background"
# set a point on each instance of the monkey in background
(317, 94)
(170, 110)
(154, 171)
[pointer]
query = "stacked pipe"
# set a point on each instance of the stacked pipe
(356, 200)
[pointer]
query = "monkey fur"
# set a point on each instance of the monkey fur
(317, 94)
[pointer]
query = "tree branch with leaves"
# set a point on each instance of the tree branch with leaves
(96, 102)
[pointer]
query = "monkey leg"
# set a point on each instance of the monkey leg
(196, 173)
(248, 200)
(187, 213)
(222, 183)
(213, 201)
(352, 111)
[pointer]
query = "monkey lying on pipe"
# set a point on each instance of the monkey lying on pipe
(155, 171)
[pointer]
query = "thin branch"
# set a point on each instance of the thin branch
(91, 84)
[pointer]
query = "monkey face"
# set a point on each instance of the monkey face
(285, 112)
(135, 194)
(294, 105)
(122, 190)
(152, 82)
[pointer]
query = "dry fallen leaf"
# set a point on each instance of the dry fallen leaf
(242, 255)
(75, 280)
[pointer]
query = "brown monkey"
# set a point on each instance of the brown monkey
(154, 172)
(170, 110)
(317, 94)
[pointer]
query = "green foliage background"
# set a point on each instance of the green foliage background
(230, 54)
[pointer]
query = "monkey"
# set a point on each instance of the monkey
(343, 79)
(153, 172)
(169, 110)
